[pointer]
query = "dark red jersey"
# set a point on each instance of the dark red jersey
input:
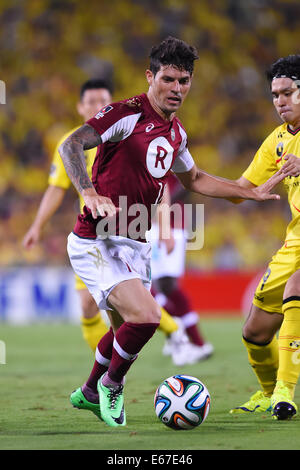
(138, 150)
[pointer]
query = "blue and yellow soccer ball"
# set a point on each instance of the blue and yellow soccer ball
(182, 402)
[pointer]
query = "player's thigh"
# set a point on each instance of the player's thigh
(260, 325)
(134, 302)
(270, 290)
(292, 287)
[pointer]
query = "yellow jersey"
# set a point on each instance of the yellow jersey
(269, 159)
(58, 175)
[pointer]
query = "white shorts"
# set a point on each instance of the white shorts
(162, 263)
(103, 264)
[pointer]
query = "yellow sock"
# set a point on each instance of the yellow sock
(93, 329)
(289, 344)
(167, 323)
(264, 362)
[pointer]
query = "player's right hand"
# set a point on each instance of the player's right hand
(31, 238)
(99, 205)
(263, 192)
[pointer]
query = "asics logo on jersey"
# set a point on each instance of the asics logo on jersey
(149, 127)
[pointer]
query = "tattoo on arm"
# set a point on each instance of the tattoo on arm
(72, 154)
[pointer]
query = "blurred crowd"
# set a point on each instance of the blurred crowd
(49, 47)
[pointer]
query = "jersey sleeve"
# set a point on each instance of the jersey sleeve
(115, 122)
(58, 175)
(184, 160)
(263, 165)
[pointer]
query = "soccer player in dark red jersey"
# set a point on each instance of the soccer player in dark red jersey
(141, 141)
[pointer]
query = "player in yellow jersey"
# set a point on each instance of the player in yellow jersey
(94, 94)
(276, 303)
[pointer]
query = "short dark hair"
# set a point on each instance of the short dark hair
(285, 67)
(173, 51)
(93, 84)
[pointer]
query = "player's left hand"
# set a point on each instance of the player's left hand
(291, 166)
(263, 192)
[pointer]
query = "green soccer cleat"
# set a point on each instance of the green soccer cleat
(283, 408)
(78, 400)
(112, 404)
(258, 403)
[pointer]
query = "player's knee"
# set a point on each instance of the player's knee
(147, 314)
(156, 314)
(256, 336)
(152, 314)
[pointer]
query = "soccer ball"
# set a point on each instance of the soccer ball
(182, 402)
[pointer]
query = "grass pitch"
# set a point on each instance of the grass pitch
(45, 363)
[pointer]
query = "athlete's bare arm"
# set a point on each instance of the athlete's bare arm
(243, 183)
(72, 154)
(200, 182)
(50, 202)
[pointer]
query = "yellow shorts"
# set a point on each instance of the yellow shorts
(79, 284)
(269, 292)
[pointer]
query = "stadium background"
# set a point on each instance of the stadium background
(49, 47)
